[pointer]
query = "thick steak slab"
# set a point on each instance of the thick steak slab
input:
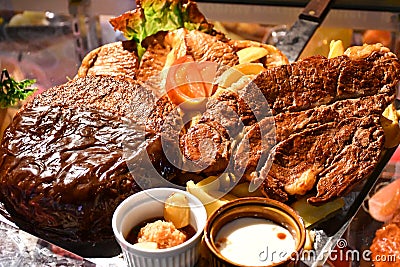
(65, 161)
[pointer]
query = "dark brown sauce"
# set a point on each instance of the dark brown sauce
(132, 236)
(65, 170)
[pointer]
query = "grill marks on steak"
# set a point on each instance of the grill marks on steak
(336, 156)
(293, 122)
(326, 113)
(318, 80)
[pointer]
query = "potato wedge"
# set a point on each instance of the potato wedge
(312, 214)
(177, 210)
(235, 73)
(210, 203)
(250, 54)
(335, 48)
(211, 183)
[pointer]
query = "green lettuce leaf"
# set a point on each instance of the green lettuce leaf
(12, 91)
(152, 16)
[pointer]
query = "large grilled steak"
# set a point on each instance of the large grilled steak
(64, 160)
(326, 114)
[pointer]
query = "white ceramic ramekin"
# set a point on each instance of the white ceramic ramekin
(149, 204)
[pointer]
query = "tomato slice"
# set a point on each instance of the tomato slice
(189, 82)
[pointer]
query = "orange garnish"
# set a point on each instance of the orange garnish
(190, 82)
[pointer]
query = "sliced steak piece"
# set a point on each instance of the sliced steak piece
(229, 110)
(351, 165)
(204, 47)
(114, 59)
(249, 159)
(225, 116)
(337, 155)
(293, 122)
(254, 151)
(316, 80)
(206, 148)
(158, 46)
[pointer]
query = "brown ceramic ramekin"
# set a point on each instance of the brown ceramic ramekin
(254, 207)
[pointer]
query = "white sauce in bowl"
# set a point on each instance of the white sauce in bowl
(255, 242)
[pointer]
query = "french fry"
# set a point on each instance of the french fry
(211, 183)
(252, 53)
(249, 68)
(335, 49)
(176, 210)
(210, 203)
(229, 77)
(215, 183)
(235, 73)
(312, 214)
(224, 181)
